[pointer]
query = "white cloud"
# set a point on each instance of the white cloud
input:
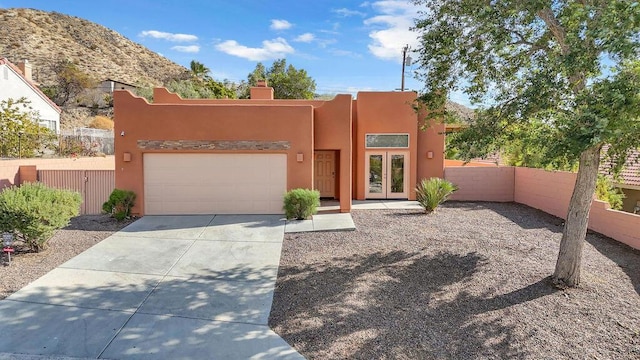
(347, 53)
(323, 43)
(169, 36)
(305, 38)
(392, 28)
(271, 49)
(280, 24)
(187, 49)
(344, 12)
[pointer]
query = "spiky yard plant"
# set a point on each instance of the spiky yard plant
(432, 192)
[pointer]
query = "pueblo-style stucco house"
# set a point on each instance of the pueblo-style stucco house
(240, 156)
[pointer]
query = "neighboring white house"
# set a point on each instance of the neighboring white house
(16, 82)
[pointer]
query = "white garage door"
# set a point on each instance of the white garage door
(214, 183)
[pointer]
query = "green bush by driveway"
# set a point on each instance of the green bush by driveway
(33, 211)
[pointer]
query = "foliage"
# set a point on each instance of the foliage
(119, 204)
(198, 84)
(540, 68)
(144, 90)
(432, 192)
(564, 73)
(33, 211)
(20, 134)
(198, 70)
(301, 203)
(76, 145)
(194, 84)
(101, 122)
(287, 81)
(605, 191)
(200, 89)
(70, 81)
(524, 147)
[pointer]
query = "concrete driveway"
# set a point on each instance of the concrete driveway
(165, 287)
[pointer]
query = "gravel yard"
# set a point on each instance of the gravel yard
(467, 282)
(83, 232)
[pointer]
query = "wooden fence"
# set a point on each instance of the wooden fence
(94, 185)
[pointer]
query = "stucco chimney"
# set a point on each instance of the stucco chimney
(261, 91)
(26, 69)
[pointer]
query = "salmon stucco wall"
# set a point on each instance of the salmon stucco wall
(354, 147)
(430, 157)
(9, 168)
(482, 183)
(332, 131)
(164, 96)
(187, 122)
(549, 191)
(385, 112)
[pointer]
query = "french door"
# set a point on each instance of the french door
(387, 173)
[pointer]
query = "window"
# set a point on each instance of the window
(387, 141)
(49, 124)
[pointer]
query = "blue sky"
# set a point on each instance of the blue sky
(344, 45)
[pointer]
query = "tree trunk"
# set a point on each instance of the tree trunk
(567, 271)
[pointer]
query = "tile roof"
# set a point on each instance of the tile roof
(630, 174)
(5, 61)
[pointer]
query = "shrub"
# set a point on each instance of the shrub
(119, 204)
(33, 211)
(433, 192)
(101, 122)
(605, 191)
(301, 203)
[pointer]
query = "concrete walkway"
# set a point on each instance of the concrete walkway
(165, 287)
(329, 217)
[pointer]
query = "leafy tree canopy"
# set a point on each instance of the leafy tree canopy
(69, 82)
(194, 84)
(287, 81)
(200, 89)
(20, 133)
(565, 73)
(566, 66)
(198, 70)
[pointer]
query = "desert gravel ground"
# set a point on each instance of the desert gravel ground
(467, 282)
(82, 233)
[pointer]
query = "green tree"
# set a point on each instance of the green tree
(200, 89)
(193, 87)
(287, 81)
(69, 82)
(198, 70)
(564, 64)
(20, 133)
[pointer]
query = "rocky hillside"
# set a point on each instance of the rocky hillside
(46, 37)
(466, 114)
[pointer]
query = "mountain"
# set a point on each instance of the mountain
(44, 38)
(464, 113)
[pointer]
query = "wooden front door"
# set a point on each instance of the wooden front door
(325, 173)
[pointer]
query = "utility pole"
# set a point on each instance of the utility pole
(404, 63)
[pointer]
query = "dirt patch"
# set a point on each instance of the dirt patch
(82, 233)
(467, 282)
